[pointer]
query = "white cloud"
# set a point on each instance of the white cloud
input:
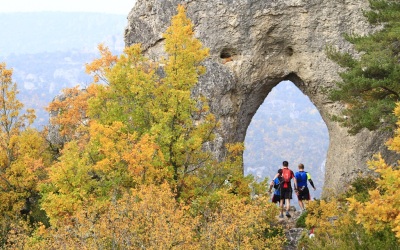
(103, 6)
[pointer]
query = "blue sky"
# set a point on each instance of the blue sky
(103, 6)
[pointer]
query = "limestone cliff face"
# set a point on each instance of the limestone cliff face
(256, 44)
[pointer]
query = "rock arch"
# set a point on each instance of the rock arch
(254, 45)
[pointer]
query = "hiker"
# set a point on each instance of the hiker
(303, 193)
(276, 183)
(286, 188)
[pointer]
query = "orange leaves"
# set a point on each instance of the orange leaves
(109, 142)
(146, 162)
(112, 161)
(100, 67)
(69, 111)
(139, 159)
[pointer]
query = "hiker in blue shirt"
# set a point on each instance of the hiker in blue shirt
(276, 182)
(302, 190)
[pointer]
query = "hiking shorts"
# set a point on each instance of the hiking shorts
(276, 198)
(286, 193)
(304, 194)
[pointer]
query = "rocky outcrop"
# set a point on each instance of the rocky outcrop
(256, 44)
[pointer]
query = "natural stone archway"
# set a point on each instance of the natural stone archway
(287, 126)
(254, 45)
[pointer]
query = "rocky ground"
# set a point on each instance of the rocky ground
(292, 232)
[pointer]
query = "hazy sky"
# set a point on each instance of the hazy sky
(103, 6)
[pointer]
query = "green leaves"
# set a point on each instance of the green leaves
(369, 86)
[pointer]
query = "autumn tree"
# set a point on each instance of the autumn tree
(133, 105)
(128, 90)
(180, 137)
(100, 170)
(369, 85)
(23, 155)
(164, 106)
(69, 118)
(11, 121)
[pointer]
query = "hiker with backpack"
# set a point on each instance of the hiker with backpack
(286, 188)
(276, 184)
(303, 193)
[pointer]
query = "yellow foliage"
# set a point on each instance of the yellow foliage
(23, 159)
(129, 95)
(379, 212)
(185, 53)
(148, 217)
(11, 121)
(383, 207)
(239, 224)
(146, 162)
(334, 226)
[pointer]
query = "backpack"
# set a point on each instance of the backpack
(276, 186)
(287, 175)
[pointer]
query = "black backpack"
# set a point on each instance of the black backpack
(276, 186)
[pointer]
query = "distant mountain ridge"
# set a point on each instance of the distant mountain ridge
(48, 51)
(36, 32)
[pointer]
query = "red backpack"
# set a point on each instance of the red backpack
(287, 176)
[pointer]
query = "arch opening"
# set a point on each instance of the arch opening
(287, 126)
